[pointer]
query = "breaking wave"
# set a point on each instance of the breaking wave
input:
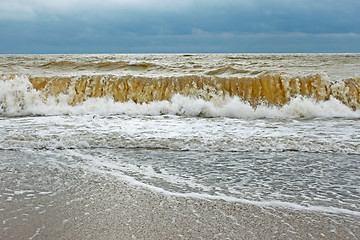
(267, 96)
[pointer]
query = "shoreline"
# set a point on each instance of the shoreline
(78, 204)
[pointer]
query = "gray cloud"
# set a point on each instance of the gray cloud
(178, 26)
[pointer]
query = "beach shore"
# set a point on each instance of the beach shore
(47, 201)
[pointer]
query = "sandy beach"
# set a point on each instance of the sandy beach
(56, 202)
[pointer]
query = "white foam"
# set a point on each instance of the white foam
(206, 196)
(18, 98)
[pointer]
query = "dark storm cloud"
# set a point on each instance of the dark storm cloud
(179, 26)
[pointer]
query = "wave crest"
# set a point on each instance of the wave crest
(263, 96)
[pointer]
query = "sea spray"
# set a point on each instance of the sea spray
(263, 96)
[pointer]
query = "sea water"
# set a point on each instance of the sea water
(272, 130)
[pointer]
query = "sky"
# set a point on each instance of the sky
(179, 26)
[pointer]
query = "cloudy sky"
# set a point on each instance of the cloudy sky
(133, 26)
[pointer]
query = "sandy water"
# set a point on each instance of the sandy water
(180, 146)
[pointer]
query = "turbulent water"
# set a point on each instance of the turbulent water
(212, 85)
(278, 130)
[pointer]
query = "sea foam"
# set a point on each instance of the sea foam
(19, 97)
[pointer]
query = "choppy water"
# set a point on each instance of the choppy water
(270, 130)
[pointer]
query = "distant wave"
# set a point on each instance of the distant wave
(211, 96)
(103, 65)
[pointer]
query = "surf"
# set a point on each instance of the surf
(261, 96)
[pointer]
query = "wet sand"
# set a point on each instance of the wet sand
(116, 212)
(54, 201)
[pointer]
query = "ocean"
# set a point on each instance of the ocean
(180, 146)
